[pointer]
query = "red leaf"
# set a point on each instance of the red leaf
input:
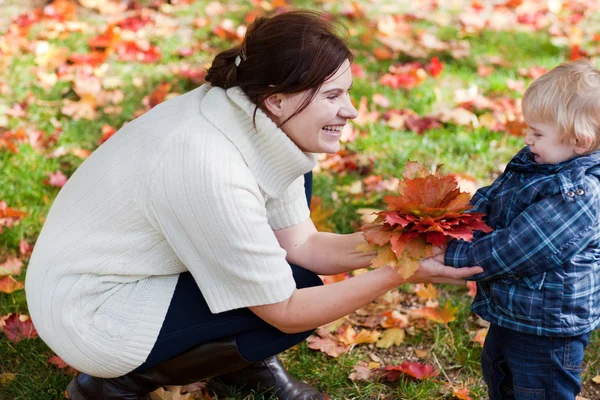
(25, 248)
(414, 369)
(9, 216)
(66, 369)
(94, 58)
(419, 124)
(57, 179)
(159, 94)
(107, 132)
(11, 266)
(472, 288)
(435, 67)
(132, 51)
(18, 327)
(134, 23)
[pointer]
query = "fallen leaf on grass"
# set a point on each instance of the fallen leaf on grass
(596, 379)
(443, 316)
(59, 362)
(462, 393)
(394, 319)
(57, 179)
(414, 369)
(9, 216)
(18, 327)
(349, 336)
(427, 291)
(323, 341)
(391, 337)
(12, 266)
(364, 371)
(6, 377)
(479, 336)
(8, 284)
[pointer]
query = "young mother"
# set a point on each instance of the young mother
(182, 248)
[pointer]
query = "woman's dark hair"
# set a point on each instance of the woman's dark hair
(287, 53)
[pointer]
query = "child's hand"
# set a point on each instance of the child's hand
(441, 257)
(439, 253)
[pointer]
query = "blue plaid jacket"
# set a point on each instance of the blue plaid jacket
(542, 261)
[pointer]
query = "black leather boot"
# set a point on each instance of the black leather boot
(266, 374)
(202, 362)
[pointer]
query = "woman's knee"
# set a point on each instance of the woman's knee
(305, 278)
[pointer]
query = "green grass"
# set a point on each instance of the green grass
(474, 151)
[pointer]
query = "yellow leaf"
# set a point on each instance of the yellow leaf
(366, 336)
(6, 377)
(320, 216)
(385, 256)
(350, 337)
(596, 379)
(391, 337)
(480, 336)
(407, 265)
(427, 291)
(333, 326)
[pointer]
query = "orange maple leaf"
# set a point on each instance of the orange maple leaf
(462, 393)
(442, 315)
(8, 284)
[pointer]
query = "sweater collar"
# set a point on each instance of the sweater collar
(275, 161)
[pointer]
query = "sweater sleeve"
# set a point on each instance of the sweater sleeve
(211, 211)
(290, 208)
(542, 237)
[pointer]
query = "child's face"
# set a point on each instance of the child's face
(546, 145)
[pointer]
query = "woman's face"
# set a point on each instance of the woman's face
(318, 128)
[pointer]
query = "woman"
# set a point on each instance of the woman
(182, 248)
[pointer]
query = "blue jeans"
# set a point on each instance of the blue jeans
(527, 367)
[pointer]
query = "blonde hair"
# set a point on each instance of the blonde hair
(569, 97)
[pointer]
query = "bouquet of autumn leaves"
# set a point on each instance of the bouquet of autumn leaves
(429, 209)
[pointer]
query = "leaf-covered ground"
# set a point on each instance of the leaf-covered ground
(438, 82)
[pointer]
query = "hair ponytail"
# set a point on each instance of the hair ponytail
(223, 71)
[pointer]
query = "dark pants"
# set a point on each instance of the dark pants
(523, 367)
(189, 321)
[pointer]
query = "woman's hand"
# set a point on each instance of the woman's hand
(434, 271)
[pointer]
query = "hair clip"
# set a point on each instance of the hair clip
(239, 58)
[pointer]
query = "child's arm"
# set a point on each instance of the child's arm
(542, 237)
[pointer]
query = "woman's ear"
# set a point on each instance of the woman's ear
(582, 144)
(274, 104)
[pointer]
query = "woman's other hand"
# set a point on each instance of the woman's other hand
(433, 270)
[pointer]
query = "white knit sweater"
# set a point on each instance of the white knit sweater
(191, 185)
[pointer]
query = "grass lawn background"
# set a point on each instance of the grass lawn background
(487, 52)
